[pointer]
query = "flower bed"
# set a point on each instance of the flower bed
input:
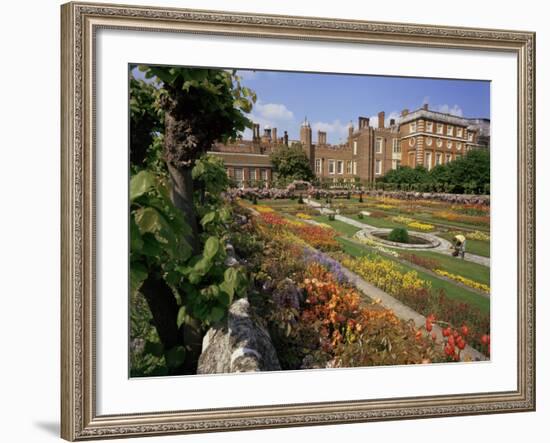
(475, 235)
(464, 280)
(462, 218)
(418, 295)
(319, 237)
(412, 223)
(315, 317)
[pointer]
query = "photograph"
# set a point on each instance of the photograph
(287, 221)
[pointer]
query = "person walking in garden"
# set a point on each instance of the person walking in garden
(459, 242)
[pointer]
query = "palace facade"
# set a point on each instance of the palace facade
(422, 137)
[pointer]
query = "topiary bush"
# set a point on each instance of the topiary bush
(399, 235)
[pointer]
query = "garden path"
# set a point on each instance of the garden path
(444, 247)
(401, 310)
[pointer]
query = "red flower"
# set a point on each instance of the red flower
(465, 330)
(451, 340)
(460, 343)
(429, 325)
(446, 332)
(449, 349)
(485, 339)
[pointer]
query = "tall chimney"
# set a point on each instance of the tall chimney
(363, 122)
(381, 116)
(350, 129)
(274, 135)
(285, 138)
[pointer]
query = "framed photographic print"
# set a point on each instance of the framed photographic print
(283, 221)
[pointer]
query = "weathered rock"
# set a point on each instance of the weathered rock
(241, 344)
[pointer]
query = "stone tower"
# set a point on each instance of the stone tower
(307, 144)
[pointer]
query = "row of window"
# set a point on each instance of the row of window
(429, 127)
(438, 143)
(239, 174)
(438, 159)
(336, 166)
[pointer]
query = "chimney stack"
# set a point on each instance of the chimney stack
(425, 106)
(381, 116)
(274, 135)
(363, 122)
(392, 121)
(350, 129)
(321, 137)
(404, 112)
(285, 138)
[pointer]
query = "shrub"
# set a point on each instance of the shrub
(300, 200)
(332, 217)
(360, 216)
(399, 235)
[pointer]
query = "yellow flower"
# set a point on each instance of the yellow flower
(465, 281)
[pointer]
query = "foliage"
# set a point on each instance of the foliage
(467, 174)
(146, 119)
(202, 284)
(203, 106)
(291, 163)
(399, 235)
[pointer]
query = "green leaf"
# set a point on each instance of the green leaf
(216, 314)
(138, 274)
(211, 247)
(153, 347)
(136, 242)
(208, 218)
(182, 314)
(175, 356)
(140, 184)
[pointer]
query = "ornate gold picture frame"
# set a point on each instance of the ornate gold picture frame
(80, 22)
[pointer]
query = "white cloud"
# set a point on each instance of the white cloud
(274, 115)
(337, 131)
(272, 111)
(448, 109)
(392, 115)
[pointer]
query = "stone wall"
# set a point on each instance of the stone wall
(240, 344)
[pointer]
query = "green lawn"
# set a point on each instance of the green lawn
(452, 291)
(477, 247)
(339, 226)
(458, 266)
(376, 222)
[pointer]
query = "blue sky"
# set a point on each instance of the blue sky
(331, 101)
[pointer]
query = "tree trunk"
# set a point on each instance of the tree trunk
(164, 309)
(182, 197)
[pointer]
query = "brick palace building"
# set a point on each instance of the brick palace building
(422, 137)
